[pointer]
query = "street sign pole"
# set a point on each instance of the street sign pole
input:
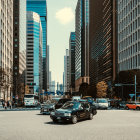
(135, 90)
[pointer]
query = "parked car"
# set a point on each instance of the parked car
(89, 99)
(133, 106)
(121, 104)
(61, 102)
(76, 98)
(102, 103)
(47, 107)
(72, 111)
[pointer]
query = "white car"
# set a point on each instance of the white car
(76, 98)
(102, 103)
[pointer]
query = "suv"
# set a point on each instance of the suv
(61, 102)
(72, 111)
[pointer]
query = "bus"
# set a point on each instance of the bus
(31, 100)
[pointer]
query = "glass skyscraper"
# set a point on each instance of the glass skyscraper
(82, 46)
(40, 7)
(34, 52)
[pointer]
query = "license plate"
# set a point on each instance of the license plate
(58, 118)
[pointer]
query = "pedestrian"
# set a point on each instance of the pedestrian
(5, 105)
(10, 105)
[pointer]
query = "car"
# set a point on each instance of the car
(47, 107)
(131, 105)
(93, 106)
(102, 103)
(72, 111)
(61, 102)
(89, 99)
(121, 104)
(76, 98)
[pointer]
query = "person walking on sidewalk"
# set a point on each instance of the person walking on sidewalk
(10, 104)
(5, 105)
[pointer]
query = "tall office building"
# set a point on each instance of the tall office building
(53, 86)
(40, 7)
(6, 46)
(82, 43)
(34, 53)
(66, 71)
(128, 34)
(19, 46)
(103, 42)
(72, 61)
(50, 80)
(48, 66)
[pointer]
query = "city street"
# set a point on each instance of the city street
(106, 125)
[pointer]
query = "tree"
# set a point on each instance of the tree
(27, 89)
(5, 81)
(101, 89)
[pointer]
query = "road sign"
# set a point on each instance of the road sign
(131, 95)
(118, 85)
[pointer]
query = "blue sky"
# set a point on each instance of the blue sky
(61, 21)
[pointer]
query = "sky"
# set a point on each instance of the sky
(61, 21)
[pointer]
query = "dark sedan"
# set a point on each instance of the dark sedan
(72, 111)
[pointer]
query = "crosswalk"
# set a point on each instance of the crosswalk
(20, 109)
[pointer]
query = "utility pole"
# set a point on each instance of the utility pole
(135, 89)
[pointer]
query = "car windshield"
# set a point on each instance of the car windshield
(102, 101)
(28, 96)
(71, 105)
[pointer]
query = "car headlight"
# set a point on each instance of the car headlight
(67, 114)
(52, 113)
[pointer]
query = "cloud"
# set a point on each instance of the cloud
(65, 15)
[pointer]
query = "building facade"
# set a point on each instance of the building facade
(6, 49)
(19, 47)
(128, 34)
(40, 7)
(72, 61)
(82, 43)
(34, 53)
(66, 72)
(103, 42)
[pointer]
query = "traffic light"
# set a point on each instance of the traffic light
(32, 84)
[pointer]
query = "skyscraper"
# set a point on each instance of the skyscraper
(48, 66)
(82, 46)
(72, 60)
(19, 47)
(128, 34)
(40, 7)
(34, 53)
(66, 71)
(6, 47)
(103, 42)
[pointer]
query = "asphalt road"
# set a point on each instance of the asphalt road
(106, 125)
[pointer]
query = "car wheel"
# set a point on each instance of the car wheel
(137, 108)
(90, 116)
(127, 107)
(55, 121)
(94, 112)
(74, 119)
